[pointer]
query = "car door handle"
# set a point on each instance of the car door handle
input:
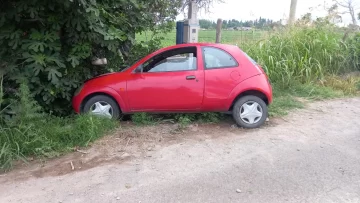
(190, 77)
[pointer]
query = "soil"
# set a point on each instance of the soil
(127, 142)
(311, 155)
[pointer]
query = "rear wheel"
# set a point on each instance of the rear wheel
(102, 105)
(250, 112)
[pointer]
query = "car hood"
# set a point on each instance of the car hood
(101, 75)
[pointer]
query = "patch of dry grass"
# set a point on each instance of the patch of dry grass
(349, 83)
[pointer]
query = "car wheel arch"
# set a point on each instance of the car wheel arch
(252, 92)
(93, 94)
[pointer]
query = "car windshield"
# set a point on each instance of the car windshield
(127, 68)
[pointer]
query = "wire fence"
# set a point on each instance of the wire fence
(236, 37)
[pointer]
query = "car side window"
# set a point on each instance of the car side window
(217, 58)
(181, 59)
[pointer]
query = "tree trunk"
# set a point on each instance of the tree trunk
(352, 13)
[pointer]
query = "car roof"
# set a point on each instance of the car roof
(199, 44)
(218, 45)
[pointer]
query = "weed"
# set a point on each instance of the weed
(283, 101)
(288, 98)
(348, 84)
(210, 117)
(30, 132)
(184, 119)
(143, 119)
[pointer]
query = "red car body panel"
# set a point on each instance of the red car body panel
(210, 90)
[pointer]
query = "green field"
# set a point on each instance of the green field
(228, 36)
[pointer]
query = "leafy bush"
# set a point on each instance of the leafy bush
(30, 132)
(52, 43)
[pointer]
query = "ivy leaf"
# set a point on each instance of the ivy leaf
(53, 75)
(51, 36)
(55, 58)
(36, 46)
(36, 35)
(74, 61)
(36, 68)
(95, 11)
(35, 58)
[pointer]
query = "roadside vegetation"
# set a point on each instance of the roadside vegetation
(42, 64)
(31, 132)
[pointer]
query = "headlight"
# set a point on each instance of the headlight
(78, 90)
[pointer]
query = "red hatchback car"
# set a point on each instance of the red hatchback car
(196, 77)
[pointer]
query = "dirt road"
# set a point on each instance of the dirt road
(312, 155)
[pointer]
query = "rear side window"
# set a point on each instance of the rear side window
(217, 58)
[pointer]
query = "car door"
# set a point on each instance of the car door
(222, 74)
(168, 82)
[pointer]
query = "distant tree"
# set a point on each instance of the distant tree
(203, 4)
(205, 24)
(247, 24)
(350, 6)
(225, 24)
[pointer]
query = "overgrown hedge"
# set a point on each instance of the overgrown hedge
(52, 43)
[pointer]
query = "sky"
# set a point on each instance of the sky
(272, 9)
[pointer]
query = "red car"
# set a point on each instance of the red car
(196, 77)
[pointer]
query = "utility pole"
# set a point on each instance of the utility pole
(292, 12)
(218, 30)
(191, 25)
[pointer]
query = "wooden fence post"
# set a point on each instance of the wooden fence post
(218, 30)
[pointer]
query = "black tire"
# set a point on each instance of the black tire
(102, 98)
(237, 111)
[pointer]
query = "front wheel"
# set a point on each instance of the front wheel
(250, 112)
(102, 105)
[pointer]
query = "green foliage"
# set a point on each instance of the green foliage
(354, 50)
(30, 132)
(260, 23)
(209, 117)
(184, 119)
(293, 97)
(283, 102)
(143, 119)
(312, 91)
(52, 43)
(304, 54)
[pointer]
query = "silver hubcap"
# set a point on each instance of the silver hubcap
(102, 109)
(251, 112)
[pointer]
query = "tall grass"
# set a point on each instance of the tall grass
(301, 54)
(30, 132)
